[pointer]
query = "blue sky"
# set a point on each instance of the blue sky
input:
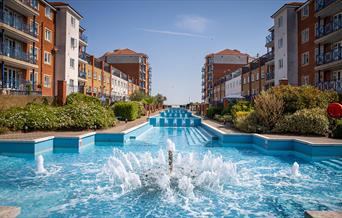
(177, 35)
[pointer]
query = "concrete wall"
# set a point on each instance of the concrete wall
(8, 101)
(230, 59)
(233, 86)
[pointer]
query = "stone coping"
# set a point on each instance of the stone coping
(322, 214)
(9, 212)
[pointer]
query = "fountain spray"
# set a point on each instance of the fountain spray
(40, 165)
(295, 169)
(171, 149)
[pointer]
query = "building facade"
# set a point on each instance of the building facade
(216, 66)
(328, 43)
(67, 44)
(27, 47)
(233, 85)
(135, 65)
(285, 44)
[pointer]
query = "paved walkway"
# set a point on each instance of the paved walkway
(121, 126)
(311, 139)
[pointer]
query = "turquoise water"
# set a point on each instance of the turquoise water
(252, 184)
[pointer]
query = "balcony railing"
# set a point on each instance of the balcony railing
(31, 3)
(19, 87)
(269, 38)
(330, 85)
(328, 28)
(320, 4)
(82, 74)
(84, 38)
(83, 56)
(328, 57)
(14, 22)
(17, 54)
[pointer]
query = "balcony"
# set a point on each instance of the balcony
(83, 57)
(325, 8)
(17, 29)
(82, 75)
(83, 39)
(25, 7)
(270, 40)
(17, 58)
(19, 87)
(269, 75)
(330, 60)
(330, 85)
(329, 32)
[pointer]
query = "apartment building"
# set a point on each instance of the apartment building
(216, 66)
(135, 65)
(67, 44)
(254, 75)
(103, 80)
(233, 85)
(306, 46)
(269, 80)
(132, 85)
(328, 43)
(27, 47)
(82, 60)
(119, 85)
(285, 44)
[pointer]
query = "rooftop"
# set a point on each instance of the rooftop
(124, 51)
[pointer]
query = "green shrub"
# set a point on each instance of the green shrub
(307, 121)
(3, 130)
(85, 114)
(241, 106)
(126, 110)
(223, 118)
(76, 98)
(212, 111)
(337, 131)
(247, 122)
(303, 97)
(268, 109)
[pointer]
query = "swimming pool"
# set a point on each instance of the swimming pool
(133, 179)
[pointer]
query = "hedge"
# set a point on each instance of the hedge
(126, 110)
(78, 114)
(307, 121)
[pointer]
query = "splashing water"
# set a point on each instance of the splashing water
(295, 169)
(128, 172)
(40, 165)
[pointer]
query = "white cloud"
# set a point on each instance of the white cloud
(192, 23)
(168, 32)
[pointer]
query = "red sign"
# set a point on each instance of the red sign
(335, 110)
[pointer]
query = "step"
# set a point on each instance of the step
(332, 164)
(207, 134)
(202, 136)
(191, 139)
(196, 136)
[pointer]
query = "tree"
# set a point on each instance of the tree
(137, 96)
(160, 99)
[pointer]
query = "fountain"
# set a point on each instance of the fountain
(170, 148)
(176, 173)
(295, 169)
(40, 165)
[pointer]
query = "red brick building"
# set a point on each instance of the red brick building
(134, 64)
(216, 66)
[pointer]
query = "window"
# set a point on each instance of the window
(280, 21)
(305, 80)
(252, 77)
(89, 74)
(48, 12)
(281, 63)
(262, 75)
(73, 22)
(73, 42)
(305, 35)
(280, 43)
(257, 76)
(305, 11)
(47, 81)
(47, 35)
(47, 57)
(34, 30)
(95, 76)
(305, 58)
(72, 63)
(35, 55)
